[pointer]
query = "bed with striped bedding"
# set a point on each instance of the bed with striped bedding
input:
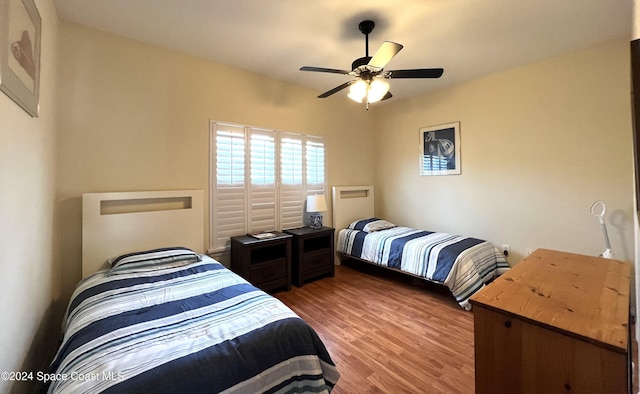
(463, 264)
(187, 325)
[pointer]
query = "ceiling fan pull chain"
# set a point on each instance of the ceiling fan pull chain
(367, 96)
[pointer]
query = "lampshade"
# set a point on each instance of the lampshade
(358, 91)
(377, 90)
(373, 91)
(316, 203)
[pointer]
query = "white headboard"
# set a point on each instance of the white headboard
(117, 223)
(351, 203)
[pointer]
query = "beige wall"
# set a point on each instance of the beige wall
(136, 117)
(540, 144)
(28, 246)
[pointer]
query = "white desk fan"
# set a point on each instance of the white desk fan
(599, 209)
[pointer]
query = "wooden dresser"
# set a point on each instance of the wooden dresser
(555, 323)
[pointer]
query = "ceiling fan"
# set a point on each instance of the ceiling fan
(371, 85)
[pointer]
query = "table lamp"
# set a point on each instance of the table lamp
(315, 205)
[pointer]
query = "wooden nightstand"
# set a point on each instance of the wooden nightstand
(266, 263)
(313, 253)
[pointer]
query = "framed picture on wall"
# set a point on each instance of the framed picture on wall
(20, 29)
(440, 149)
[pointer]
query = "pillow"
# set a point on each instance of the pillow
(378, 225)
(153, 260)
(370, 225)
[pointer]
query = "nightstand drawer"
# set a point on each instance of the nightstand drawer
(317, 261)
(261, 273)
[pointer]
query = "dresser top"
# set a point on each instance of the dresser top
(583, 296)
(249, 239)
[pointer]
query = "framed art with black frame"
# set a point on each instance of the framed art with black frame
(20, 30)
(440, 149)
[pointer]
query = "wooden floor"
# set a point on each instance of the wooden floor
(388, 333)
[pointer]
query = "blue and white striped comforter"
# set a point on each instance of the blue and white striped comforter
(196, 328)
(463, 264)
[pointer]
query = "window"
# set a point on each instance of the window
(260, 179)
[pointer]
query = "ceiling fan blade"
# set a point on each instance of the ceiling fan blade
(324, 70)
(386, 96)
(335, 90)
(385, 53)
(415, 73)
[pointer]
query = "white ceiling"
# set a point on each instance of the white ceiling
(468, 38)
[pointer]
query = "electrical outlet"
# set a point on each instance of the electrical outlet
(505, 249)
(528, 251)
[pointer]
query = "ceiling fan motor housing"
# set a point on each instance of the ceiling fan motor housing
(363, 61)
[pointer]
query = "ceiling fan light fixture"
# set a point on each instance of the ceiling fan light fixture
(377, 89)
(358, 91)
(371, 91)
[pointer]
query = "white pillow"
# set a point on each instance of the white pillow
(370, 225)
(378, 225)
(153, 260)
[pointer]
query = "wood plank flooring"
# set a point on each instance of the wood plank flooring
(388, 333)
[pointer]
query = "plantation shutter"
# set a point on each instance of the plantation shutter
(315, 166)
(292, 195)
(229, 184)
(260, 180)
(262, 193)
